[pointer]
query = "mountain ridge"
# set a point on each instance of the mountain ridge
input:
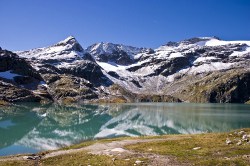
(107, 72)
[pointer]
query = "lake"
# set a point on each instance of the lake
(29, 128)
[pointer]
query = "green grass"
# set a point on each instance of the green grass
(80, 158)
(214, 150)
(83, 158)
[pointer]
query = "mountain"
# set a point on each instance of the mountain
(116, 53)
(201, 69)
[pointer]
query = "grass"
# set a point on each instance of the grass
(214, 150)
(80, 159)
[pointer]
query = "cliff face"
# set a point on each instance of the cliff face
(230, 86)
(194, 70)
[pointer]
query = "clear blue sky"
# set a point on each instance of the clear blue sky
(26, 24)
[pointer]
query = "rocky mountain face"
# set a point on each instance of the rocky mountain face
(116, 53)
(204, 69)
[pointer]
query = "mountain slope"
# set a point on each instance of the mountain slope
(116, 53)
(106, 72)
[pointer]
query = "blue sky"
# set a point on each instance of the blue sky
(29, 24)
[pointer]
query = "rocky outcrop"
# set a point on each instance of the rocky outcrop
(11, 61)
(219, 87)
(69, 89)
(115, 53)
(87, 70)
(11, 93)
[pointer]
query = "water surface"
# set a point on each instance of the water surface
(29, 128)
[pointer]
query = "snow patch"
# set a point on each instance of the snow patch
(175, 55)
(8, 75)
(43, 83)
(240, 53)
(204, 59)
(216, 42)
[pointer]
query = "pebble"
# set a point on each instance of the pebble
(127, 159)
(118, 150)
(239, 143)
(32, 157)
(138, 161)
(245, 137)
(25, 157)
(246, 156)
(241, 132)
(196, 148)
(228, 141)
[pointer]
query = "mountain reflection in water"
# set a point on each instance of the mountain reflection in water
(33, 127)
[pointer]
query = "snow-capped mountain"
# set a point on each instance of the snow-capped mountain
(116, 53)
(202, 69)
(65, 50)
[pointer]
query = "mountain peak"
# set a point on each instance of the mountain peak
(68, 40)
(67, 49)
(70, 43)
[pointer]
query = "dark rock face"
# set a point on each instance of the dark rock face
(173, 66)
(67, 89)
(236, 90)
(10, 61)
(225, 87)
(89, 71)
(115, 53)
(11, 93)
(118, 57)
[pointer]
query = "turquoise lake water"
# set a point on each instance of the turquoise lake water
(29, 128)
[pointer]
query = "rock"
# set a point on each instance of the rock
(9, 61)
(11, 93)
(239, 143)
(246, 156)
(245, 137)
(241, 133)
(117, 150)
(115, 53)
(196, 148)
(69, 89)
(88, 70)
(33, 157)
(219, 87)
(25, 157)
(138, 162)
(228, 141)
